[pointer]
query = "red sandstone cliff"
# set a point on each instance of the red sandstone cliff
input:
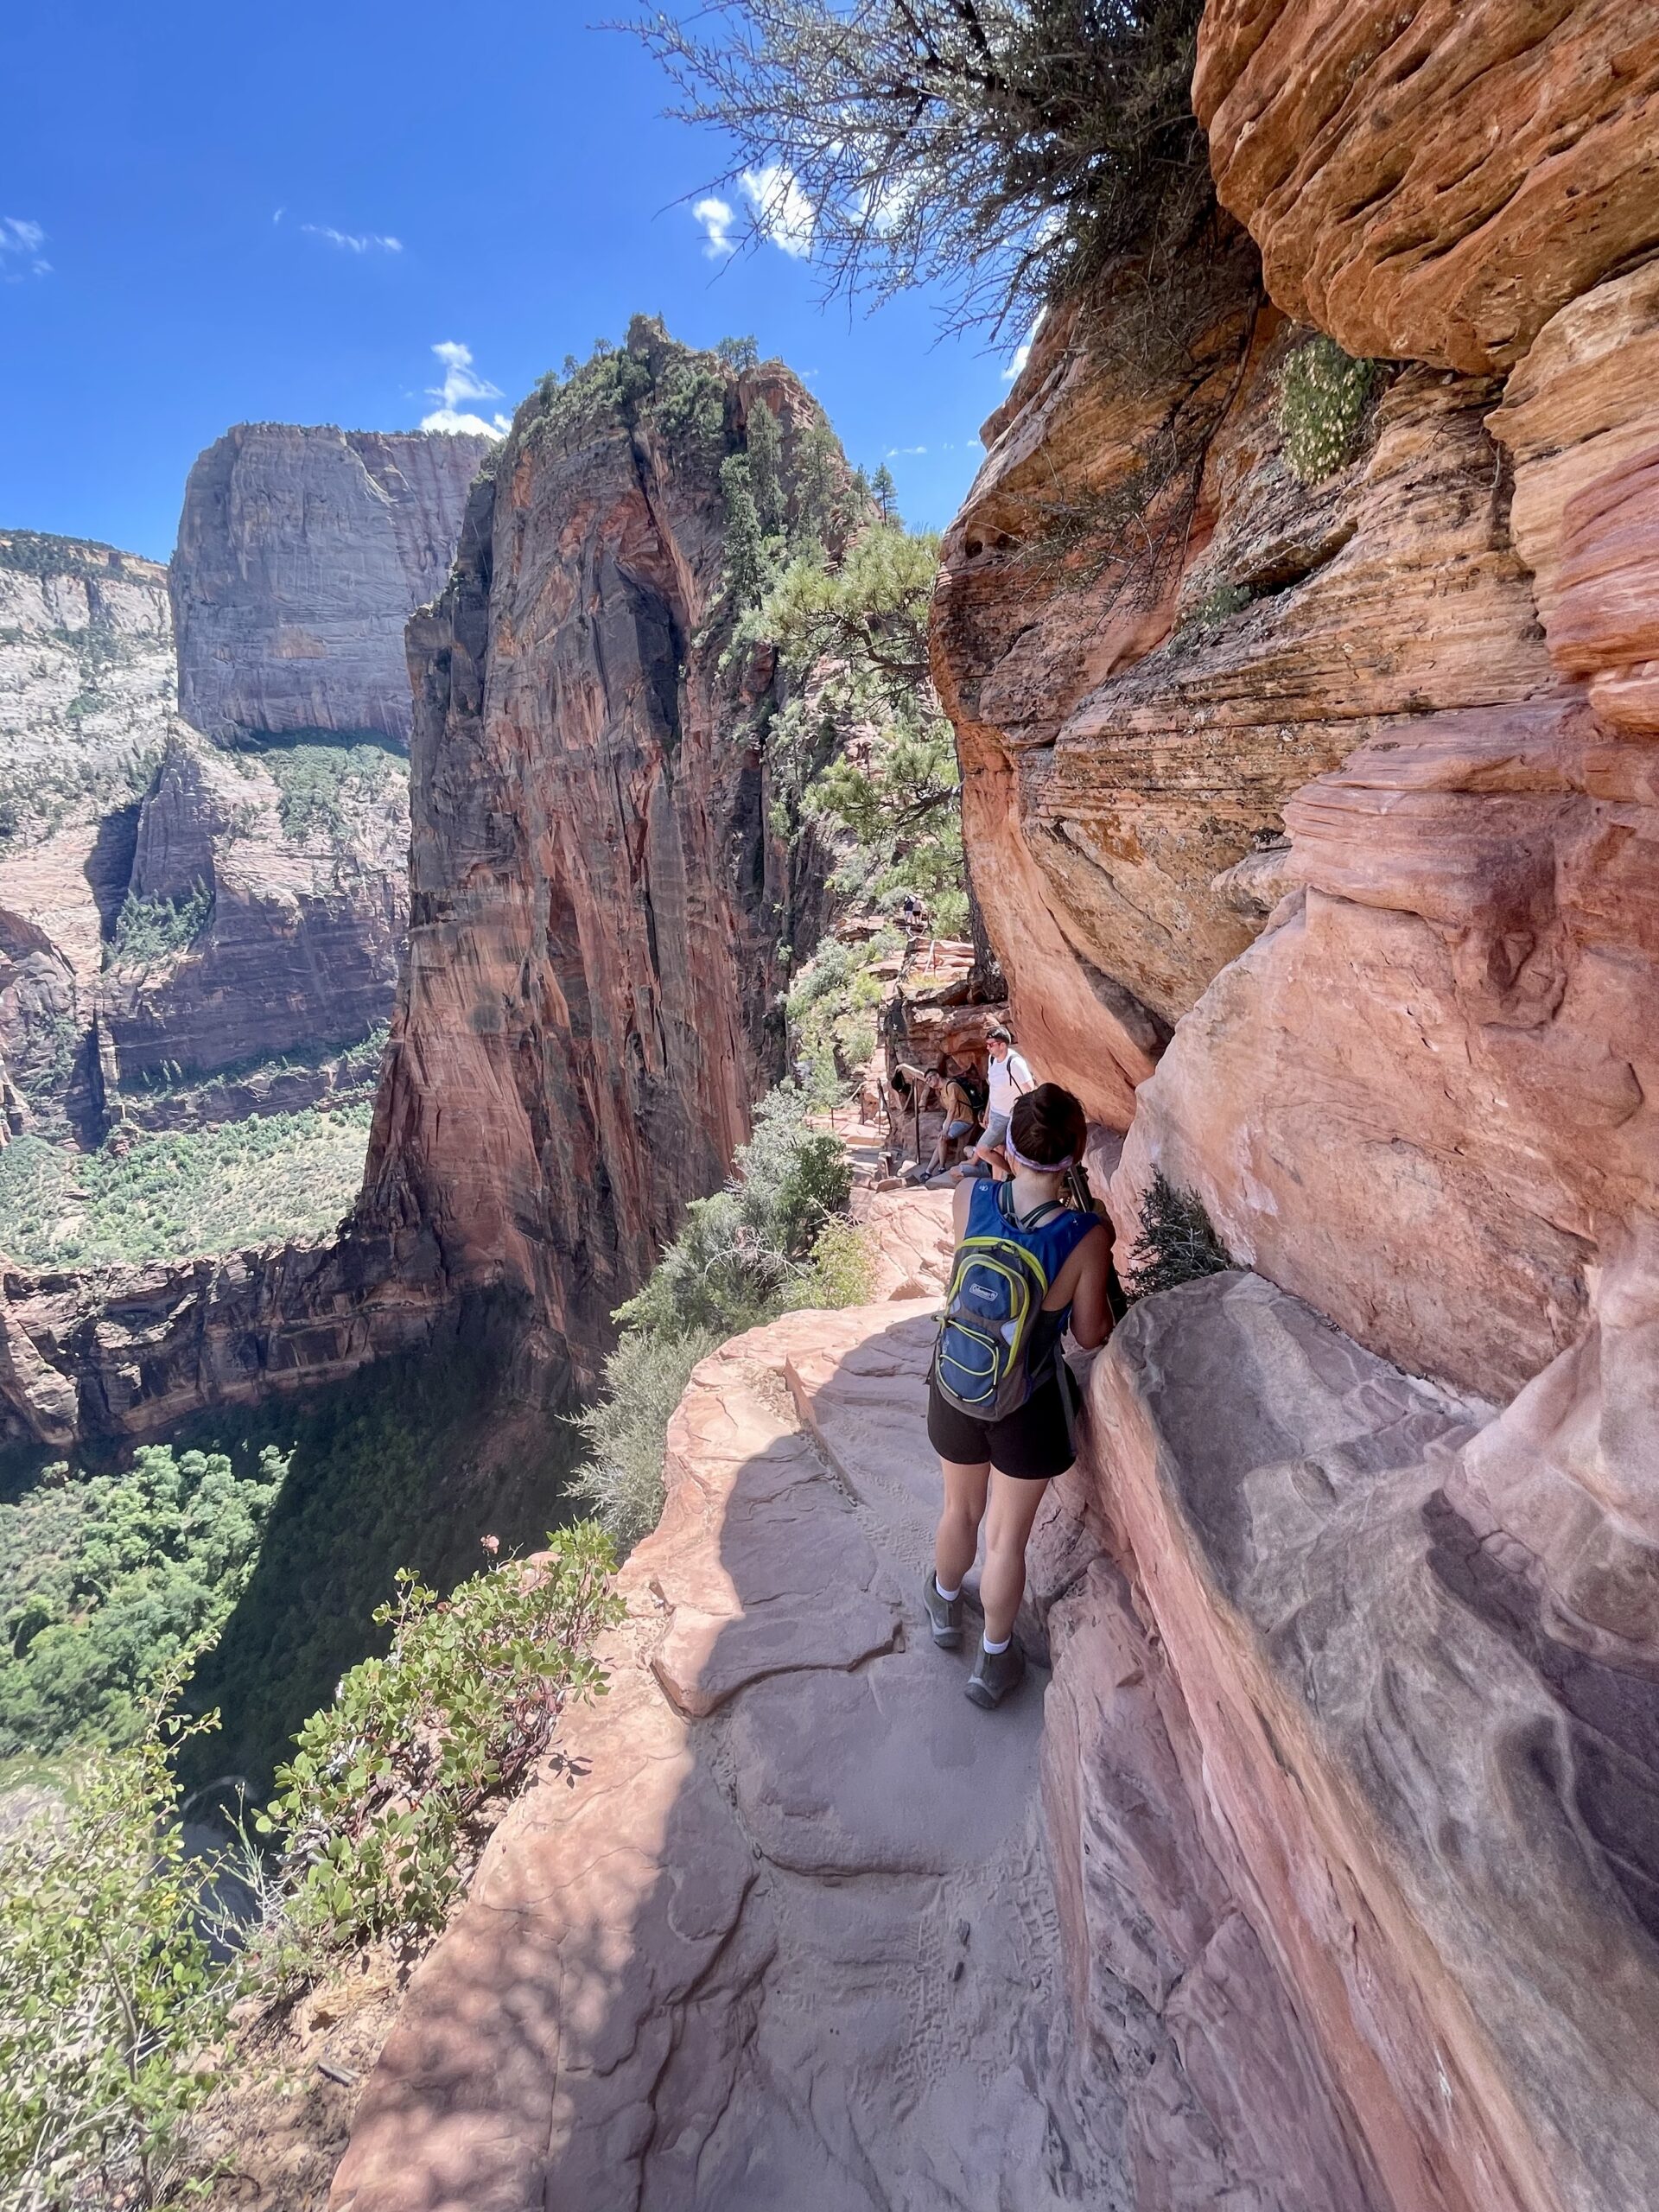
(598, 898)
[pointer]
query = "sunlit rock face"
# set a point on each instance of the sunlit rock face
(1133, 723)
(301, 554)
(1435, 182)
(598, 898)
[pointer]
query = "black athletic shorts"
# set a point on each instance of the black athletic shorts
(1030, 1444)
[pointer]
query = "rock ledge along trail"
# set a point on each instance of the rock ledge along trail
(782, 1930)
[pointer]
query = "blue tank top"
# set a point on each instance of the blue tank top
(1051, 1244)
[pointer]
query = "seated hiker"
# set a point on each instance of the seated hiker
(1008, 1077)
(1026, 1264)
(959, 1120)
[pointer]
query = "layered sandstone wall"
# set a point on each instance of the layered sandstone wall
(1413, 770)
(301, 554)
(599, 899)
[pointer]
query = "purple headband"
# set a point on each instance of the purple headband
(1036, 1167)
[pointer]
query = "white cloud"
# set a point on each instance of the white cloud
(716, 216)
(277, 217)
(348, 242)
(462, 381)
(1022, 353)
(902, 453)
(782, 211)
(20, 250)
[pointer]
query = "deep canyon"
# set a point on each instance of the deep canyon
(1312, 821)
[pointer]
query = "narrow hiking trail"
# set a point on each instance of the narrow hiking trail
(781, 1929)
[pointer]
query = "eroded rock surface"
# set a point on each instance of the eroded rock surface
(1435, 182)
(1133, 725)
(787, 1928)
(1443, 1807)
(303, 887)
(301, 554)
(598, 898)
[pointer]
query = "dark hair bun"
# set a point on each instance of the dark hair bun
(1047, 1125)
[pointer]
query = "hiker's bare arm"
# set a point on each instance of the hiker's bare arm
(961, 1200)
(1082, 1281)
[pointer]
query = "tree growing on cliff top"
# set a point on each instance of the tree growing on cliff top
(1005, 149)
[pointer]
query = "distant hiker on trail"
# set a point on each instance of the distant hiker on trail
(1008, 1077)
(1026, 1265)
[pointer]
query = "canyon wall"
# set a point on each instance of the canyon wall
(1315, 821)
(301, 554)
(599, 900)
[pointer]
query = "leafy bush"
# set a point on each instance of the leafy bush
(109, 2001)
(865, 745)
(146, 929)
(833, 1006)
(1322, 400)
(383, 1807)
(753, 1251)
(1178, 1241)
(113, 2011)
(106, 1581)
(264, 1181)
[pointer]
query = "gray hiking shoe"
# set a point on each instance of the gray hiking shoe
(943, 1615)
(996, 1672)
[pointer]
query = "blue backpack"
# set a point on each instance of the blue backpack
(1004, 1269)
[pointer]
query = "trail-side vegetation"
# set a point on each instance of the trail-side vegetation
(1178, 1241)
(116, 2006)
(863, 745)
(199, 1192)
(1322, 398)
(775, 1239)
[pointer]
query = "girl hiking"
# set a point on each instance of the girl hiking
(1026, 1265)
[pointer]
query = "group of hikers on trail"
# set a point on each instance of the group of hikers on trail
(956, 1094)
(1030, 1263)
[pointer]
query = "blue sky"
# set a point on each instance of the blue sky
(498, 179)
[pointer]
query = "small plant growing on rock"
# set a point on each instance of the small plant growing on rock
(1178, 1241)
(1218, 603)
(1323, 395)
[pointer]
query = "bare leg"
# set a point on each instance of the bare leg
(957, 1539)
(1013, 1504)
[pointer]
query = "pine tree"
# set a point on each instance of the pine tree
(885, 493)
(744, 549)
(767, 469)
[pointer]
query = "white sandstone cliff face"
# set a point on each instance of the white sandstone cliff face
(301, 554)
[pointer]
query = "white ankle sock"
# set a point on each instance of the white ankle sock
(993, 1651)
(948, 1596)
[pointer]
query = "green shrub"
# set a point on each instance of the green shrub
(843, 1268)
(625, 1429)
(106, 1581)
(384, 1804)
(833, 1006)
(267, 1180)
(109, 2003)
(773, 1239)
(319, 784)
(113, 2011)
(1178, 1241)
(1322, 400)
(154, 929)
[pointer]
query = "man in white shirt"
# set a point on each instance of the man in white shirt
(1007, 1077)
